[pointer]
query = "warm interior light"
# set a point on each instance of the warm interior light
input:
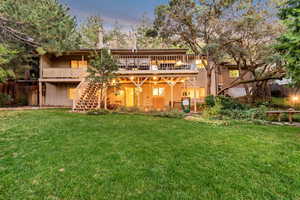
(178, 63)
(154, 78)
(295, 98)
(198, 62)
(131, 78)
(182, 80)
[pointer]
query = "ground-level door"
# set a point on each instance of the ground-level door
(129, 97)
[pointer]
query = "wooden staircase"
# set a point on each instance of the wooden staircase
(87, 97)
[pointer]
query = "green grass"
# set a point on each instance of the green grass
(54, 154)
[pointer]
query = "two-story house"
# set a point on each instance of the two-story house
(149, 79)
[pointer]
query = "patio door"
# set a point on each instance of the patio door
(129, 97)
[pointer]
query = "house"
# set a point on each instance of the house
(149, 79)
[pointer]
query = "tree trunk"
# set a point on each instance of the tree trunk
(208, 81)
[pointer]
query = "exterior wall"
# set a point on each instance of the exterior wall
(225, 80)
(56, 94)
(146, 98)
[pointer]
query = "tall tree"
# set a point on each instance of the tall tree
(90, 31)
(289, 42)
(32, 27)
(248, 43)
(197, 24)
(101, 71)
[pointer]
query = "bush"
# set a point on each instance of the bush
(98, 112)
(230, 103)
(249, 114)
(22, 101)
(5, 100)
(210, 101)
(214, 111)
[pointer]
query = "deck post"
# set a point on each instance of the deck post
(172, 96)
(40, 94)
(105, 100)
(195, 100)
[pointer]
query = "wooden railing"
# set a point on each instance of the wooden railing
(136, 64)
(79, 91)
(64, 73)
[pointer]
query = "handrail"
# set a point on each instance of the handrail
(78, 92)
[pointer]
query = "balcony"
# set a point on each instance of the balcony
(64, 73)
(131, 65)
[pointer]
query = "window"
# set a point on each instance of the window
(234, 73)
(78, 64)
(194, 93)
(158, 91)
(71, 93)
(199, 64)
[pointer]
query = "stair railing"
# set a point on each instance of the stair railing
(79, 91)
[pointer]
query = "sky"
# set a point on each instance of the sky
(126, 12)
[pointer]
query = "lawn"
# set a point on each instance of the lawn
(54, 154)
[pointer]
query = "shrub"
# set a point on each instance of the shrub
(5, 100)
(230, 103)
(22, 101)
(214, 111)
(210, 101)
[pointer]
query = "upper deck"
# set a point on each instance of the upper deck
(73, 65)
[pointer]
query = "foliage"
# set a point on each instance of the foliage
(38, 23)
(289, 41)
(210, 100)
(89, 32)
(214, 111)
(195, 24)
(32, 27)
(6, 55)
(248, 45)
(101, 70)
(5, 99)
(230, 103)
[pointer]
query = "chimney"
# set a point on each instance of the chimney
(100, 43)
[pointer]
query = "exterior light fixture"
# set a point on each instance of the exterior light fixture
(154, 78)
(179, 63)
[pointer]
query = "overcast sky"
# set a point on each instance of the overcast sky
(126, 12)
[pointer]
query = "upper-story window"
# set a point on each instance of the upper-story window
(78, 64)
(234, 73)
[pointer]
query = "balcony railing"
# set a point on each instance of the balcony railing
(64, 73)
(136, 64)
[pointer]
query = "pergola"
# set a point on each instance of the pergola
(138, 80)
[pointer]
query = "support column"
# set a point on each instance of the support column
(105, 100)
(40, 94)
(195, 100)
(172, 96)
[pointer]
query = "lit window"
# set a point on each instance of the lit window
(234, 73)
(194, 93)
(71, 93)
(78, 64)
(158, 91)
(199, 64)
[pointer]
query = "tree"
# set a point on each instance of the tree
(6, 55)
(38, 23)
(197, 24)
(90, 31)
(101, 71)
(147, 37)
(32, 27)
(248, 44)
(289, 42)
